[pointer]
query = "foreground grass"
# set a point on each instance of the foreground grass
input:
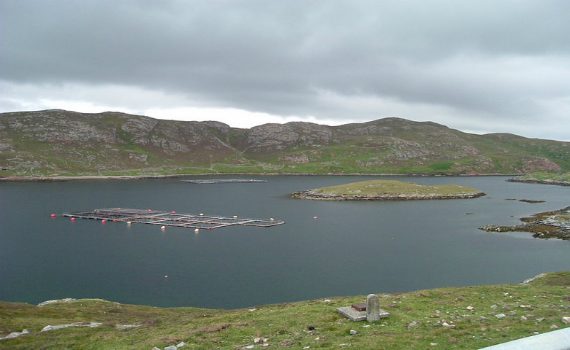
(417, 321)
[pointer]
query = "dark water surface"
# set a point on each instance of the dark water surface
(352, 248)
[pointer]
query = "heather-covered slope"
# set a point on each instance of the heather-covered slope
(56, 142)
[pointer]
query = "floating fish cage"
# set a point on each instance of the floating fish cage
(223, 181)
(165, 218)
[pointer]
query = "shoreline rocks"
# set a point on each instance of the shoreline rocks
(550, 224)
(543, 182)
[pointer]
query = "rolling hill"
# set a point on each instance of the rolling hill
(57, 142)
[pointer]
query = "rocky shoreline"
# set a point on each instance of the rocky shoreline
(550, 224)
(311, 194)
(543, 182)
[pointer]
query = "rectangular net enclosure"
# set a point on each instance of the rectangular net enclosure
(170, 218)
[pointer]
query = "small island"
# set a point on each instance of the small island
(388, 190)
(550, 224)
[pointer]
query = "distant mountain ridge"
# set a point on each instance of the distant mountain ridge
(57, 142)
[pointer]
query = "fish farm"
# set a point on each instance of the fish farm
(223, 181)
(169, 218)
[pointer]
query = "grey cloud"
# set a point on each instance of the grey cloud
(483, 58)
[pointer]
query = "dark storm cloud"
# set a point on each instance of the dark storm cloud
(489, 59)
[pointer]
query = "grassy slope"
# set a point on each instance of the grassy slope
(543, 302)
(392, 187)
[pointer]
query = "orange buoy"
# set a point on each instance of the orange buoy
(53, 216)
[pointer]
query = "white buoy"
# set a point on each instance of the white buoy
(201, 214)
(165, 276)
(315, 217)
(129, 223)
(272, 219)
(196, 230)
(235, 216)
(163, 228)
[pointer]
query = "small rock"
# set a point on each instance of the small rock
(365, 326)
(433, 344)
(535, 333)
(155, 348)
(412, 324)
(470, 308)
(171, 347)
(447, 325)
(493, 306)
(252, 310)
(327, 300)
(306, 347)
(15, 334)
(566, 320)
(540, 319)
(181, 344)
(126, 326)
(57, 301)
(247, 347)
(499, 316)
(553, 326)
(523, 318)
(257, 340)
(353, 332)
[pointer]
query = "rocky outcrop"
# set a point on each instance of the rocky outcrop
(277, 137)
(550, 224)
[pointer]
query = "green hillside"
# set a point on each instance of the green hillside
(56, 142)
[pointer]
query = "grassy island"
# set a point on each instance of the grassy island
(448, 318)
(388, 190)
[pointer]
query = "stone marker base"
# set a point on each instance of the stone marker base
(355, 315)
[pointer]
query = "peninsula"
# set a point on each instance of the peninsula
(388, 190)
(549, 224)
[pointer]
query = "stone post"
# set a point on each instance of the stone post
(372, 308)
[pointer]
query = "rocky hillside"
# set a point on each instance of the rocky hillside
(57, 142)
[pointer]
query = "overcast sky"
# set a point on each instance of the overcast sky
(479, 66)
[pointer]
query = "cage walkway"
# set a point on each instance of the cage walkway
(165, 218)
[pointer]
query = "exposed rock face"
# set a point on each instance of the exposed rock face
(52, 141)
(540, 164)
(281, 136)
(296, 159)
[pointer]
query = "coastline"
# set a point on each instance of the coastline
(542, 182)
(142, 177)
